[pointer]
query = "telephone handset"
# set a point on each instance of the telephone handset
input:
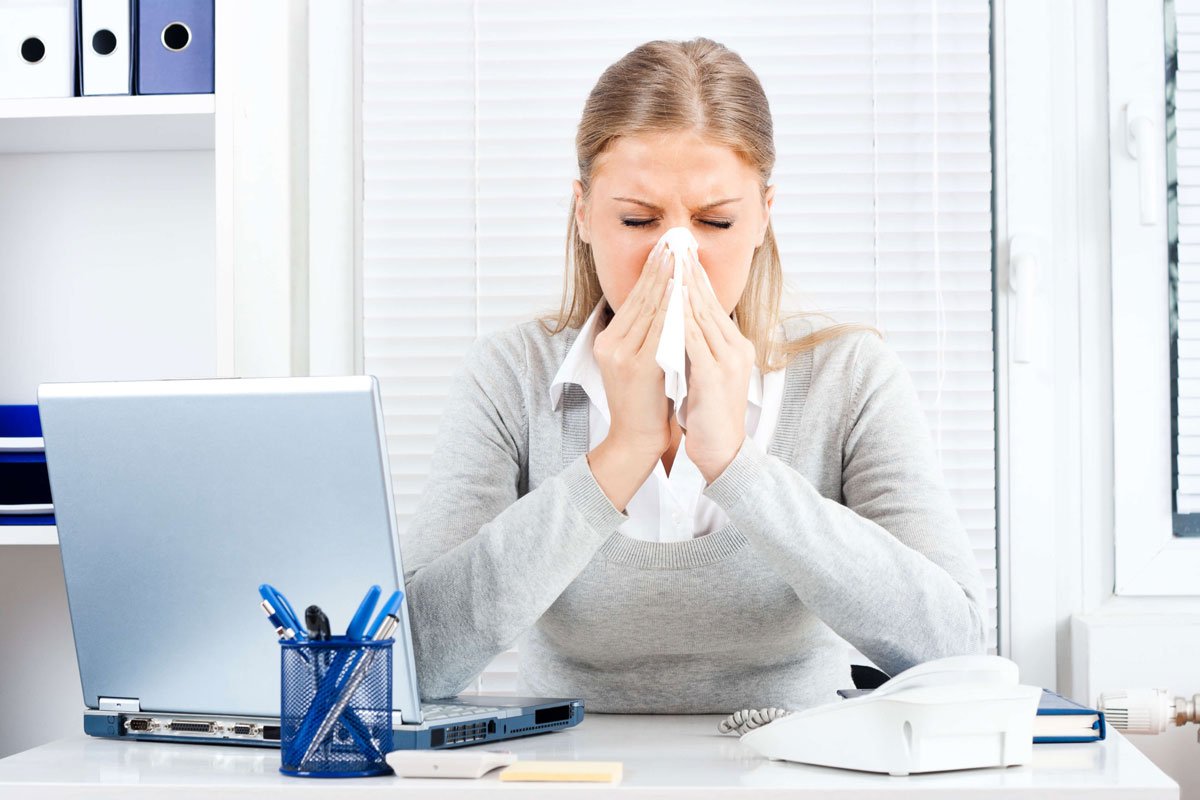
(952, 670)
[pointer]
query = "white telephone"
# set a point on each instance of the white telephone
(959, 712)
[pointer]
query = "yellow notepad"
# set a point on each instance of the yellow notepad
(591, 771)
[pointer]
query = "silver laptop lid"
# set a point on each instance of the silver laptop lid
(175, 499)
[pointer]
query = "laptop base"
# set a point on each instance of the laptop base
(264, 731)
(193, 728)
(439, 735)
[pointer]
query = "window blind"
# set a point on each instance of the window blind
(1183, 166)
(882, 212)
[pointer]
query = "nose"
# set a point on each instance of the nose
(696, 229)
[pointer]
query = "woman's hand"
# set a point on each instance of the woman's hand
(639, 430)
(722, 360)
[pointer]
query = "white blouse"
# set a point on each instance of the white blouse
(666, 508)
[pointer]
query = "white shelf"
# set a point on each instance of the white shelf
(28, 534)
(107, 124)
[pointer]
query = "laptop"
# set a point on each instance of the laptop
(176, 499)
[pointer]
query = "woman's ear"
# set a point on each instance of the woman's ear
(581, 220)
(768, 201)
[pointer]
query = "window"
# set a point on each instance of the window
(883, 211)
(1153, 73)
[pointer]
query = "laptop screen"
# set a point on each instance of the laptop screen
(175, 499)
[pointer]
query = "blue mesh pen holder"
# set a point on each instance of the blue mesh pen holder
(335, 708)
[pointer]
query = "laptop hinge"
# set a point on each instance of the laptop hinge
(120, 704)
(400, 718)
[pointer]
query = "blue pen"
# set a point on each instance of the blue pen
(291, 612)
(358, 625)
(281, 627)
(389, 609)
(272, 595)
(283, 608)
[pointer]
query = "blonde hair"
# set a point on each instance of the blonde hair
(666, 86)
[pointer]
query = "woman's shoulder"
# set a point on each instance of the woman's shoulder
(848, 363)
(528, 348)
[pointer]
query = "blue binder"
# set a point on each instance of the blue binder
(24, 480)
(1054, 704)
(175, 47)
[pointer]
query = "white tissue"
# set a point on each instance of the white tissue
(672, 354)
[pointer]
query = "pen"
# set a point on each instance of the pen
(344, 662)
(283, 609)
(281, 628)
(358, 625)
(318, 624)
(389, 609)
(356, 677)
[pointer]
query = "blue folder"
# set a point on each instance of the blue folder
(1054, 704)
(23, 476)
(174, 47)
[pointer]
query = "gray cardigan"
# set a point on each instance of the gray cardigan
(844, 525)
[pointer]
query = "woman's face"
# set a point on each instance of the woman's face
(645, 185)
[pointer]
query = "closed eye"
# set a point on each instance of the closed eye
(641, 223)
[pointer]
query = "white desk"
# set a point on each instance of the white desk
(663, 756)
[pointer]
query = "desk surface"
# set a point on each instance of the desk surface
(663, 756)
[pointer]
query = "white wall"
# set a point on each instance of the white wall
(40, 693)
(1142, 643)
(106, 268)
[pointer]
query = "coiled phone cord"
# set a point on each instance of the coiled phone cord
(746, 720)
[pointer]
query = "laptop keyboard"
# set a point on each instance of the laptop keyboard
(447, 710)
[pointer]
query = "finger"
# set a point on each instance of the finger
(654, 334)
(704, 313)
(638, 332)
(652, 278)
(693, 338)
(711, 305)
(649, 304)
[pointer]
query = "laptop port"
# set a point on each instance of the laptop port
(139, 725)
(465, 733)
(271, 733)
(244, 730)
(544, 716)
(191, 726)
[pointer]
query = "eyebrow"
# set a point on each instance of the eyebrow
(652, 207)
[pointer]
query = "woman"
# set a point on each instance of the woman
(649, 570)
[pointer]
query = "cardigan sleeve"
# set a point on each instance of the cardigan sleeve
(482, 560)
(891, 570)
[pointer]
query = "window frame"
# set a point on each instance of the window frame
(1150, 560)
